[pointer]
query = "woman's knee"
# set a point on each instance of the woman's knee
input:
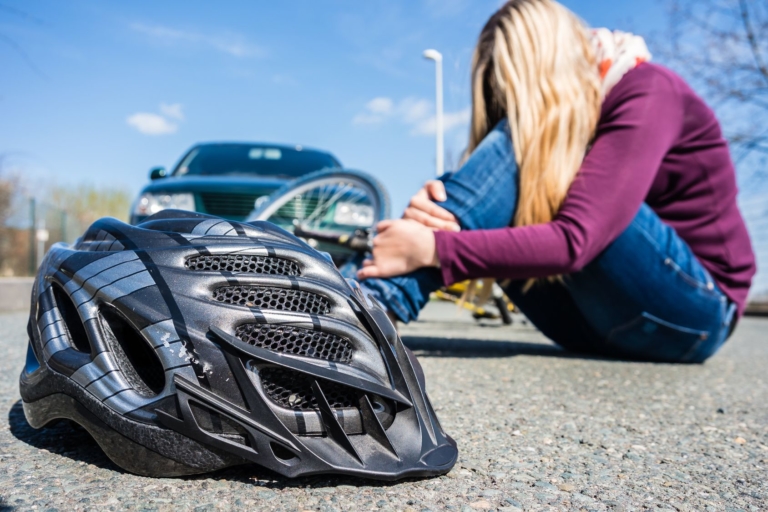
(483, 193)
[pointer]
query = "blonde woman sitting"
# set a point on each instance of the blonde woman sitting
(598, 183)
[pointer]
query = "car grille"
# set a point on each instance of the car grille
(228, 205)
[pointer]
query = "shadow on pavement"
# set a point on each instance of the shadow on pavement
(462, 347)
(63, 437)
(68, 439)
(437, 346)
(261, 477)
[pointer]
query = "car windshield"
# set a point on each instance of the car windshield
(250, 159)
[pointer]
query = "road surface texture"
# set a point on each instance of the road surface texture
(538, 429)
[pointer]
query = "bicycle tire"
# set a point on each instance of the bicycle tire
(501, 304)
(282, 196)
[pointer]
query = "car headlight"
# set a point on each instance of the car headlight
(353, 214)
(149, 204)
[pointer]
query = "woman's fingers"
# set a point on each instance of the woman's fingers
(384, 225)
(368, 271)
(401, 247)
(423, 210)
(421, 202)
(430, 221)
(436, 190)
(421, 217)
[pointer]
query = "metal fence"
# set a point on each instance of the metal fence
(28, 234)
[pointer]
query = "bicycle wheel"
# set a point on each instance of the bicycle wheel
(327, 200)
(501, 305)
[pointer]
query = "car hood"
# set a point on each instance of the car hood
(228, 184)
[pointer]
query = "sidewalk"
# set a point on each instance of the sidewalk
(538, 429)
(15, 292)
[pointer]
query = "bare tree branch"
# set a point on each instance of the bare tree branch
(720, 47)
(756, 51)
(21, 14)
(15, 46)
(10, 42)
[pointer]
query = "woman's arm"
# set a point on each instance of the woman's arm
(642, 120)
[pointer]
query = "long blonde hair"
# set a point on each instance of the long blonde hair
(534, 64)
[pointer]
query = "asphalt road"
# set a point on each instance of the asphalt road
(538, 429)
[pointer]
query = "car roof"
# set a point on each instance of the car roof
(266, 145)
(294, 147)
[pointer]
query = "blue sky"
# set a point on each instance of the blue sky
(106, 90)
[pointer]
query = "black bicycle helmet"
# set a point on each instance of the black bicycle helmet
(190, 343)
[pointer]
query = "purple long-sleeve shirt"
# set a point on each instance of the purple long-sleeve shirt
(657, 142)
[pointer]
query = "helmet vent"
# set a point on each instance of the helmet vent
(243, 263)
(281, 452)
(216, 423)
(293, 390)
(78, 338)
(295, 340)
(135, 357)
(273, 298)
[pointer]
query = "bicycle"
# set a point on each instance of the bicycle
(335, 211)
(325, 206)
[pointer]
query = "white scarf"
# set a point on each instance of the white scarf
(617, 52)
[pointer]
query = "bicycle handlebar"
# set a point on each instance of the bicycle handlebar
(357, 241)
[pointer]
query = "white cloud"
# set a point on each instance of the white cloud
(173, 110)
(230, 43)
(150, 123)
(376, 111)
(381, 105)
(451, 120)
(414, 112)
(368, 118)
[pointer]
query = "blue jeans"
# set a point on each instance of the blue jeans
(646, 296)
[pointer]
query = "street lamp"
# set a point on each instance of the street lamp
(438, 58)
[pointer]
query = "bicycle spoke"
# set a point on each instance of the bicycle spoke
(321, 206)
(313, 205)
(330, 202)
(318, 198)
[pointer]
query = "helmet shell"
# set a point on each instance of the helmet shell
(190, 343)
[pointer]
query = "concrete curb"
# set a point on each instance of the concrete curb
(15, 293)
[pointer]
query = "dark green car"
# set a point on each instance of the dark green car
(227, 179)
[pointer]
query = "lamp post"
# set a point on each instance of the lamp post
(439, 152)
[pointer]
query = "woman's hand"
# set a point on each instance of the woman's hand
(423, 209)
(400, 247)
